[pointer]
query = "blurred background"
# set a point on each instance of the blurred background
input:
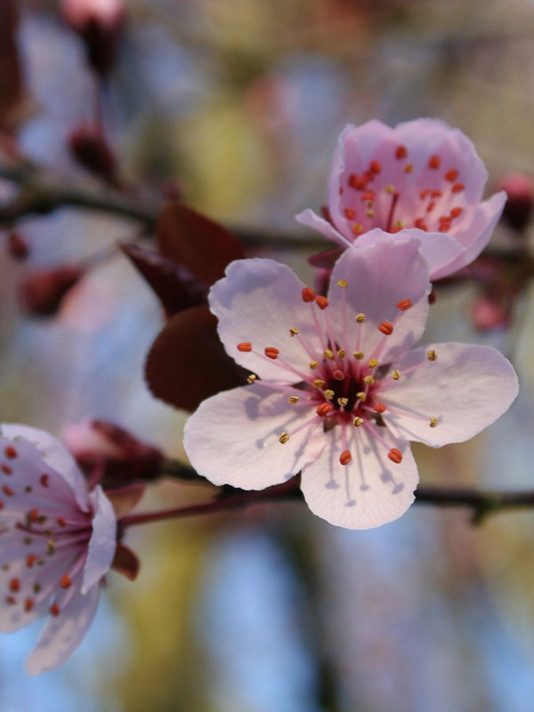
(238, 104)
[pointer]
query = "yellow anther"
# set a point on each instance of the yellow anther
(395, 375)
(373, 363)
(369, 380)
(358, 355)
(361, 396)
(328, 354)
(251, 378)
(293, 331)
(360, 318)
(370, 213)
(283, 438)
(357, 228)
(341, 353)
(329, 394)
(390, 188)
(313, 364)
(342, 402)
(50, 545)
(433, 422)
(293, 399)
(319, 383)
(399, 225)
(358, 421)
(431, 354)
(408, 168)
(342, 283)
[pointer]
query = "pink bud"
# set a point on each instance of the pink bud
(89, 148)
(99, 24)
(43, 290)
(488, 315)
(123, 458)
(518, 209)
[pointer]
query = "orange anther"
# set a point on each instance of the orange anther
(386, 328)
(424, 193)
(357, 229)
(368, 196)
(62, 522)
(44, 480)
(350, 214)
(11, 600)
(430, 207)
(457, 188)
(322, 302)
(451, 175)
(271, 352)
(434, 162)
(375, 167)
(345, 457)
(34, 515)
(421, 224)
(455, 212)
(7, 470)
(338, 375)
(436, 194)
(244, 346)
(380, 407)
(14, 585)
(54, 609)
(65, 581)
(308, 295)
(7, 491)
(395, 455)
(324, 409)
(401, 152)
(404, 304)
(30, 561)
(10, 452)
(28, 605)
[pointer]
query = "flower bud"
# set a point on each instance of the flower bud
(518, 209)
(43, 290)
(487, 314)
(89, 148)
(99, 24)
(123, 458)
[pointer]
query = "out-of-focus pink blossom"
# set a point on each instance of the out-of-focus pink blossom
(58, 541)
(341, 394)
(97, 444)
(422, 178)
(520, 190)
(43, 290)
(488, 314)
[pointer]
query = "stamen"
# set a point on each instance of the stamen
(431, 354)
(345, 457)
(386, 328)
(358, 355)
(329, 354)
(329, 394)
(433, 422)
(338, 375)
(28, 605)
(369, 380)
(324, 409)
(342, 401)
(395, 455)
(319, 383)
(434, 162)
(251, 378)
(361, 396)
(44, 480)
(308, 295)
(409, 168)
(245, 346)
(65, 581)
(404, 304)
(342, 283)
(395, 375)
(358, 421)
(14, 585)
(322, 302)
(341, 353)
(313, 364)
(401, 152)
(457, 188)
(357, 228)
(375, 167)
(54, 610)
(271, 352)
(10, 452)
(293, 400)
(380, 407)
(360, 318)
(350, 214)
(283, 438)
(293, 331)
(6, 470)
(373, 363)
(455, 212)
(451, 175)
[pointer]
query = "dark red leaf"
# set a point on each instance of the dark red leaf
(175, 287)
(126, 562)
(194, 241)
(187, 362)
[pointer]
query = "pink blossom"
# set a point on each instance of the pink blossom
(340, 394)
(422, 177)
(80, 12)
(58, 541)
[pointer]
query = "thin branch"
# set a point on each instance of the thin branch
(480, 502)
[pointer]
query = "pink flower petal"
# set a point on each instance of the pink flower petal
(378, 277)
(233, 438)
(54, 454)
(466, 388)
(368, 492)
(103, 540)
(311, 219)
(257, 303)
(62, 634)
